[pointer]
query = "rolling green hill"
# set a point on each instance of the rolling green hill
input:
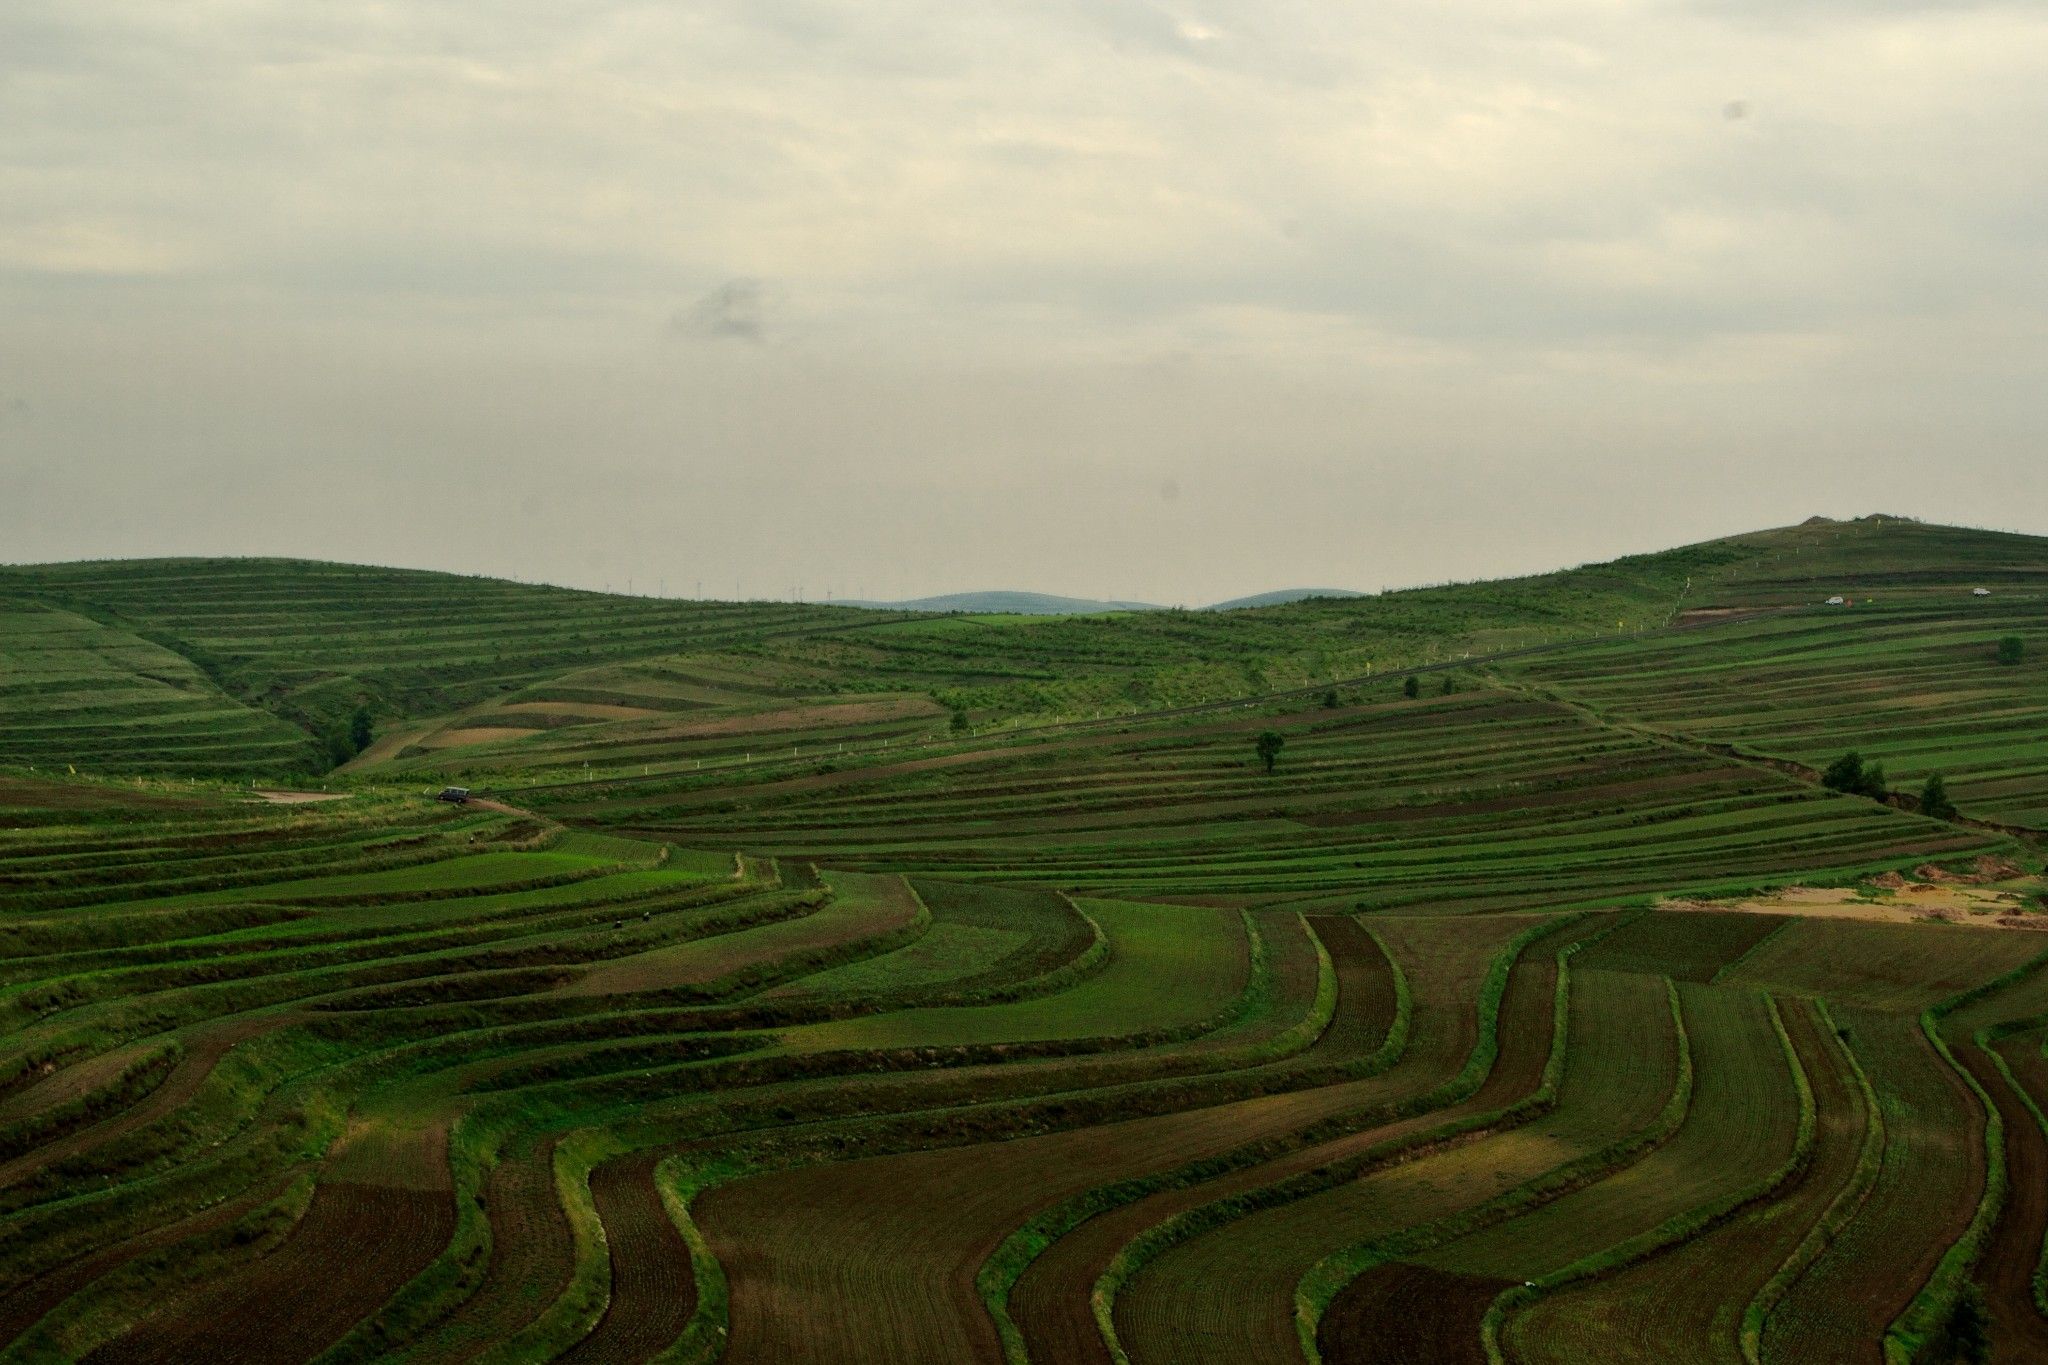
(307, 642)
(77, 692)
(451, 663)
(821, 984)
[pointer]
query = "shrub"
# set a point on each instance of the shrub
(1965, 1338)
(1845, 774)
(1851, 775)
(1413, 687)
(1934, 802)
(2011, 649)
(337, 745)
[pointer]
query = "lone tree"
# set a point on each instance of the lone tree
(1269, 745)
(959, 720)
(359, 732)
(1934, 802)
(1852, 775)
(2011, 649)
(1330, 700)
(1413, 687)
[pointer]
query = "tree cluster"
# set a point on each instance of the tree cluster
(1852, 775)
(344, 742)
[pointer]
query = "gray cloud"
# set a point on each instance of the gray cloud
(1388, 292)
(735, 311)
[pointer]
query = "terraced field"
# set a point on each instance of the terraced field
(75, 691)
(1910, 682)
(811, 1023)
(1482, 800)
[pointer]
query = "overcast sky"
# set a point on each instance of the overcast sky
(1170, 301)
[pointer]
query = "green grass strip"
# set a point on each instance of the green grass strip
(2040, 1265)
(576, 1310)
(1922, 1318)
(1673, 1230)
(1323, 1281)
(449, 1278)
(1070, 973)
(1328, 1277)
(1185, 1226)
(1843, 1208)
(703, 1341)
(999, 1273)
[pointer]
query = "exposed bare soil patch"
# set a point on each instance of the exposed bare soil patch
(582, 710)
(473, 734)
(653, 1293)
(354, 1249)
(1409, 1312)
(1891, 899)
(531, 1254)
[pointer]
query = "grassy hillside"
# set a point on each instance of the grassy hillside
(814, 984)
(497, 1087)
(1279, 597)
(1875, 556)
(1480, 800)
(307, 643)
(76, 692)
(1909, 679)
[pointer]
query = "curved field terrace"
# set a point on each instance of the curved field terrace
(814, 984)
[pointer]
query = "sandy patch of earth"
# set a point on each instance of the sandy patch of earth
(388, 745)
(584, 710)
(475, 734)
(291, 798)
(1914, 902)
(801, 718)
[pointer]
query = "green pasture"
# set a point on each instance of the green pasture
(1080, 1031)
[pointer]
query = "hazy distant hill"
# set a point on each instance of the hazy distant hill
(1280, 597)
(1016, 603)
(1047, 604)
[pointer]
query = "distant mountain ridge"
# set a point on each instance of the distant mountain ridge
(1009, 603)
(1050, 604)
(1280, 597)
